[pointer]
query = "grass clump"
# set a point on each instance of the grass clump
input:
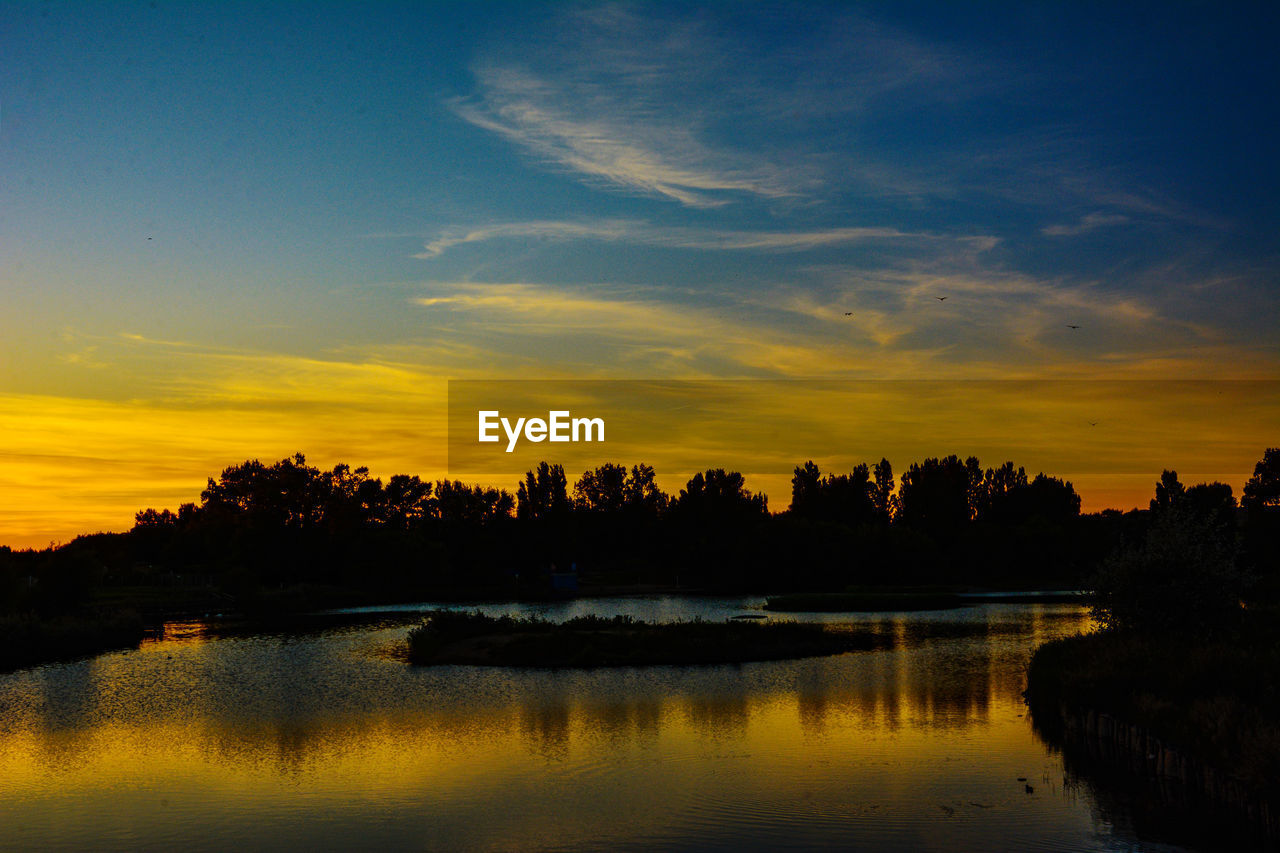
(593, 641)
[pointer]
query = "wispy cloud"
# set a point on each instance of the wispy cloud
(839, 323)
(1088, 222)
(609, 144)
(710, 239)
(677, 108)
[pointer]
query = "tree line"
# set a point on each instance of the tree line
(946, 520)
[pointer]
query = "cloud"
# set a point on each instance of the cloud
(1088, 222)
(837, 322)
(709, 239)
(679, 107)
(609, 145)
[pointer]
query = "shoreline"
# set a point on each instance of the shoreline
(27, 642)
(1175, 711)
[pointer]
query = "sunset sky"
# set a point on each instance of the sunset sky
(245, 230)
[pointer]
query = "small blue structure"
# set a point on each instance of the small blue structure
(564, 582)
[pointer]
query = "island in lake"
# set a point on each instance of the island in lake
(455, 637)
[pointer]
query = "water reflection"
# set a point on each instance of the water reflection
(1125, 792)
(319, 740)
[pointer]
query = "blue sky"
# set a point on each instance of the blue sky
(287, 207)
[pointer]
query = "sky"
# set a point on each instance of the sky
(233, 231)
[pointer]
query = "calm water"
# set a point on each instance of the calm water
(326, 741)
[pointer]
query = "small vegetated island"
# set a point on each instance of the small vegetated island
(456, 637)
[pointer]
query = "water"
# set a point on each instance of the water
(328, 741)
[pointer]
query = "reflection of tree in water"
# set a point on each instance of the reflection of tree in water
(812, 702)
(71, 695)
(69, 701)
(291, 747)
(624, 722)
(545, 729)
(294, 745)
(718, 716)
(1139, 805)
(920, 682)
(937, 674)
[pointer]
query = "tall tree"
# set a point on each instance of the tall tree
(806, 489)
(544, 493)
(1169, 491)
(882, 496)
(641, 493)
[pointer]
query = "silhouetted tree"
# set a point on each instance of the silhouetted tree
(848, 499)
(719, 495)
(1168, 491)
(1010, 499)
(406, 502)
(457, 503)
(154, 518)
(806, 490)
(1182, 577)
(1216, 505)
(543, 493)
(347, 498)
(601, 489)
(882, 495)
(1261, 500)
(641, 493)
(611, 488)
(719, 531)
(1052, 499)
(999, 486)
(1262, 490)
(282, 495)
(1184, 574)
(936, 494)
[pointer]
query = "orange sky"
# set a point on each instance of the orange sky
(80, 465)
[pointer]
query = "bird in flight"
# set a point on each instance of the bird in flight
(1069, 326)
(940, 298)
(848, 313)
(1093, 423)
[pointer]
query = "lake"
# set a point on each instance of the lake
(327, 740)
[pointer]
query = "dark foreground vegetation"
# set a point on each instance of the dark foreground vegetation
(451, 637)
(1187, 665)
(1216, 700)
(27, 640)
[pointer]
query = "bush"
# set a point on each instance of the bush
(1183, 577)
